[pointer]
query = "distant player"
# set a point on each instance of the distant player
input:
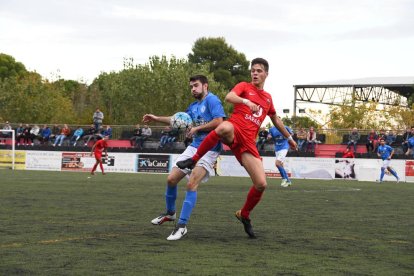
(97, 149)
(281, 150)
(386, 152)
(251, 106)
(207, 113)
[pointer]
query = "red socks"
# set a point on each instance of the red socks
(253, 197)
(101, 166)
(94, 167)
(208, 143)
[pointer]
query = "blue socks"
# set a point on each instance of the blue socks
(188, 205)
(283, 173)
(170, 196)
(382, 173)
(394, 173)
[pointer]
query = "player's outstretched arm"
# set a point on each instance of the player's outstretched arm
(147, 118)
(281, 127)
(232, 97)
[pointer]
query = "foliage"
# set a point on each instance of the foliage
(300, 121)
(10, 68)
(227, 65)
(402, 116)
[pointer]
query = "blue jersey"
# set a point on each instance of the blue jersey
(202, 113)
(385, 151)
(411, 142)
(280, 141)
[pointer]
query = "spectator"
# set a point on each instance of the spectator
(311, 139)
(76, 136)
(137, 133)
(26, 134)
(6, 135)
(390, 138)
(169, 136)
(34, 133)
(98, 117)
(354, 137)
(64, 133)
(407, 135)
(261, 141)
(371, 141)
(55, 132)
(146, 133)
(45, 134)
(19, 134)
(89, 134)
(301, 135)
(107, 132)
(348, 153)
(381, 135)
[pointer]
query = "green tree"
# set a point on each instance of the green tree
(227, 65)
(9, 67)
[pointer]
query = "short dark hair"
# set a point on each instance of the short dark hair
(382, 139)
(203, 79)
(261, 61)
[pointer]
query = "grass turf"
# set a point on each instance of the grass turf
(66, 223)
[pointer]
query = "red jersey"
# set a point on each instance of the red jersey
(100, 145)
(242, 115)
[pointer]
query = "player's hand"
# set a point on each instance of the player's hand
(389, 158)
(191, 132)
(293, 145)
(253, 107)
(148, 118)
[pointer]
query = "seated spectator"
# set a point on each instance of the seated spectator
(34, 133)
(135, 134)
(407, 135)
(390, 138)
(19, 134)
(45, 133)
(107, 132)
(410, 145)
(301, 135)
(145, 134)
(55, 132)
(76, 136)
(90, 133)
(311, 139)
(169, 135)
(348, 153)
(372, 139)
(354, 137)
(26, 134)
(261, 141)
(6, 135)
(64, 133)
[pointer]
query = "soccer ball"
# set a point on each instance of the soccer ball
(181, 120)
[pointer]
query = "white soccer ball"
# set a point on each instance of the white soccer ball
(181, 120)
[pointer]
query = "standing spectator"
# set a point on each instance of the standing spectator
(145, 134)
(354, 137)
(5, 135)
(390, 138)
(371, 141)
(26, 134)
(261, 141)
(98, 117)
(64, 133)
(45, 134)
(301, 135)
(311, 139)
(19, 134)
(407, 135)
(136, 133)
(34, 133)
(76, 136)
(89, 134)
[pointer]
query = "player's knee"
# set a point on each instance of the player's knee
(260, 185)
(224, 129)
(192, 186)
(171, 180)
(279, 163)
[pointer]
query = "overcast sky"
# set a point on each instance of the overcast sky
(304, 41)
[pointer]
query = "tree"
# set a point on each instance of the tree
(10, 68)
(227, 65)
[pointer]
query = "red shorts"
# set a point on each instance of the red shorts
(243, 144)
(98, 155)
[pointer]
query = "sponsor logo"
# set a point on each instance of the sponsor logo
(251, 94)
(153, 163)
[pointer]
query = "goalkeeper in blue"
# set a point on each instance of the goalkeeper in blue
(386, 152)
(281, 150)
(207, 113)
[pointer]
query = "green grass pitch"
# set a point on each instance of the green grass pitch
(55, 223)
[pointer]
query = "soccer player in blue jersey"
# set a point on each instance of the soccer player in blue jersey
(281, 150)
(207, 113)
(386, 152)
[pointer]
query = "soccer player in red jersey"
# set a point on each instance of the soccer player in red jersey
(97, 150)
(251, 105)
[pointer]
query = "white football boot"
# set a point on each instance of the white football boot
(163, 218)
(179, 232)
(285, 183)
